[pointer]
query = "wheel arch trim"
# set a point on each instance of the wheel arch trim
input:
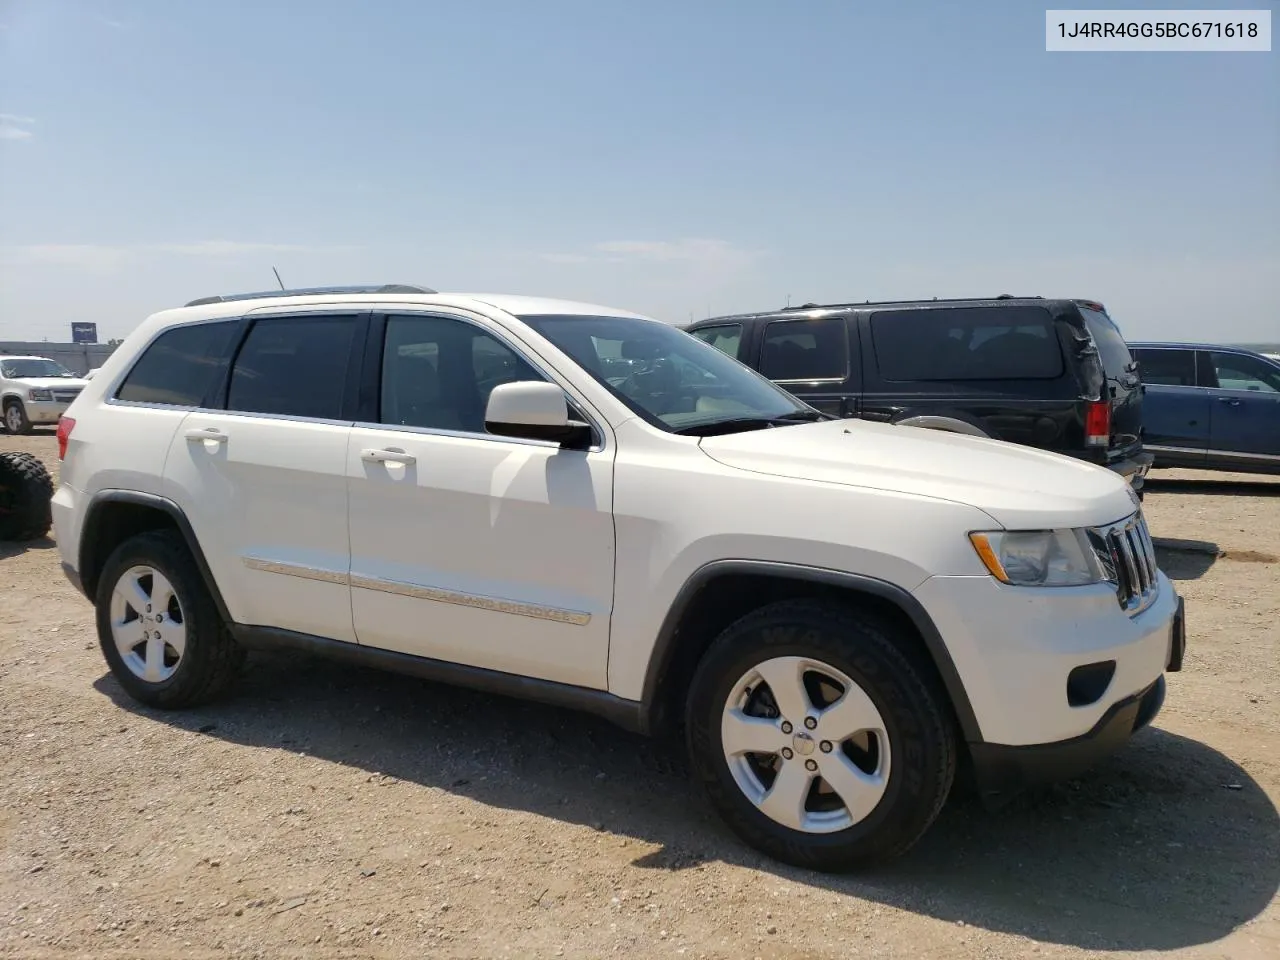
(666, 644)
(89, 533)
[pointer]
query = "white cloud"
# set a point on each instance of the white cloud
(14, 127)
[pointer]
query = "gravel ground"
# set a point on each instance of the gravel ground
(330, 812)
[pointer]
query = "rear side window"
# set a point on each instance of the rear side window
(966, 343)
(1112, 350)
(181, 366)
(293, 366)
(1170, 368)
(815, 349)
(726, 338)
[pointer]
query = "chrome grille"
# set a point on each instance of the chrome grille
(1129, 560)
(66, 395)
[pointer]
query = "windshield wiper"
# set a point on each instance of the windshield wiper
(743, 424)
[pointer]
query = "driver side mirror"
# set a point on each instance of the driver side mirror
(534, 410)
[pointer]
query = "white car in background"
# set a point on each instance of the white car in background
(35, 390)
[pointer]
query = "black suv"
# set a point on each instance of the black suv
(1053, 374)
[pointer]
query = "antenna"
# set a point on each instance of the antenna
(278, 280)
(788, 301)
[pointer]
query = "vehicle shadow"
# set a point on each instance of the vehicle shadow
(1168, 844)
(1239, 488)
(14, 548)
(1185, 559)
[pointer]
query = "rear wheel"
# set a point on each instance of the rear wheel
(158, 626)
(26, 494)
(818, 739)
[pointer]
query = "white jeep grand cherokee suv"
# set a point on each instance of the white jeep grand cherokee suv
(586, 507)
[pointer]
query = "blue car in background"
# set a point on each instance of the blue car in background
(1210, 407)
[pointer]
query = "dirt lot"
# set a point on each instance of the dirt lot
(330, 812)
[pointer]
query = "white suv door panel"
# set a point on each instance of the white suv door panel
(471, 548)
(264, 481)
(267, 499)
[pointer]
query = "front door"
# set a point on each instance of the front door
(466, 547)
(1246, 405)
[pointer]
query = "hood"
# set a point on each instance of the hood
(51, 383)
(1019, 487)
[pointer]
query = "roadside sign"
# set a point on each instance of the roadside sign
(84, 333)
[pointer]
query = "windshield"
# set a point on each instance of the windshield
(34, 367)
(671, 379)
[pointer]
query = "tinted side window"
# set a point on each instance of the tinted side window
(293, 366)
(1236, 372)
(726, 338)
(181, 366)
(438, 373)
(966, 343)
(1175, 368)
(806, 349)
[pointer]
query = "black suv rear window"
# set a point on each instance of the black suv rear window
(181, 366)
(966, 343)
(1112, 350)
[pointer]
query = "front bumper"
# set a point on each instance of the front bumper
(1133, 468)
(45, 411)
(1001, 770)
(1016, 650)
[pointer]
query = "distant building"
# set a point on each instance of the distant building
(79, 358)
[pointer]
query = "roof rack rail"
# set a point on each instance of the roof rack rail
(313, 292)
(883, 303)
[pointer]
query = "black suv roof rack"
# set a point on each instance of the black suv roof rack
(313, 291)
(881, 303)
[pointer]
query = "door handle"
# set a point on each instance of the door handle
(388, 456)
(209, 434)
(1230, 401)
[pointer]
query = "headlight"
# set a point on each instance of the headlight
(40, 395)
(1039, 558)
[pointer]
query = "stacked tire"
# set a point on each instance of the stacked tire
(26, 492)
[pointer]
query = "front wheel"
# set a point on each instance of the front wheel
(158, 626)
(15, 417)
(819, 737)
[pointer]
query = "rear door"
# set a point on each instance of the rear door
(261, 473)
(1175, 408)
(1245, 405)
(816, 359)
(1123, 386)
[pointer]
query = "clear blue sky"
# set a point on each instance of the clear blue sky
(669, 156)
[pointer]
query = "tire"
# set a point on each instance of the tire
(15, 417)
(906, 766)
(26, 494)
(163, 674)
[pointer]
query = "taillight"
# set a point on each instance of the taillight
(65, 426)
(1097, 423)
